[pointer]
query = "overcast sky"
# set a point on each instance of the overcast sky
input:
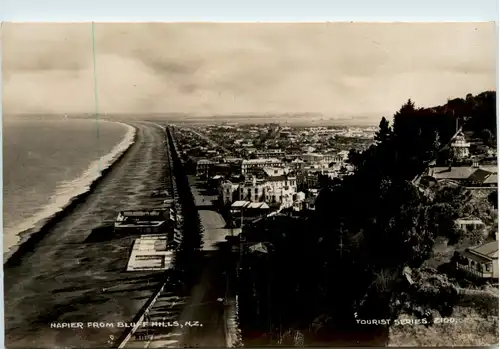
(337, 70)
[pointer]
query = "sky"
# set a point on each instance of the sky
(337, 70)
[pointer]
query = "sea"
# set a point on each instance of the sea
(47, 161)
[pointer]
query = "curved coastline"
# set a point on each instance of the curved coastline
(28, 238)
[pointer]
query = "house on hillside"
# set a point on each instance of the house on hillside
(470, 176)
(480, 261)
(479, 177)
(468, 223)
(459, 146)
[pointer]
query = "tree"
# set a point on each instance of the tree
(441, 219)
(401, 117)
(436, 143)
(353, 157)
(384, 133)
(371, 224)
(493, 199)
(469, 98)
(487, 137)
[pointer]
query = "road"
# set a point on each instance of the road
(202, 313)
(200, 316)
(206, 308)
(214, 225)
(209, 141)
(66, 279)
(205, 304)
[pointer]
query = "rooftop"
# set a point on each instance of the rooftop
(260, 161)
(489, 249)
(150, 253)
(493, 179)
(459, 172)
(240, 203)
(204, 162)
(277, 178)
(258, 205)
(142, 218)
(479, 176)
(469, 220)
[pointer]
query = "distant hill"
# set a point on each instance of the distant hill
(285, 118)
(476, 113)
(479, 113)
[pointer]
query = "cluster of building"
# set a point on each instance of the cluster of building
(264, 180)
(275, 178)
(257, 141)
(257, 170)
(478, 172)
(307, 168)
(306, 154)
(461, 168)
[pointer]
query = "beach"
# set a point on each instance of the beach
(49, 161)
(66, 279)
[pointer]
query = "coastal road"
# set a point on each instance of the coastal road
(214, 225)
(205, 310)
(67, 279)
(205, 306)
(202, 314)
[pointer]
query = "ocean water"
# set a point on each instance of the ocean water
(48, 161)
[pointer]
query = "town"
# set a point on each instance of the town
(223, 185)
(270, 180)
(278, 167)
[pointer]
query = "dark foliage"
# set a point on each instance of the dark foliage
(188, 255)
(493, 199)
(349, 257)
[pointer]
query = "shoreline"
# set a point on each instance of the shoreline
(78, 271)
(28, 238)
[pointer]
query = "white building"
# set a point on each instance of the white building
(275, 171)
(281, 189)
(203, 166)
(247, 165)
(312, 157)
(252, 190)
(480, 261)
(460, 146)
(344, 154)
(273, 190)
(298, 164)
(333, 158)
(270, 154)
(229, 192)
